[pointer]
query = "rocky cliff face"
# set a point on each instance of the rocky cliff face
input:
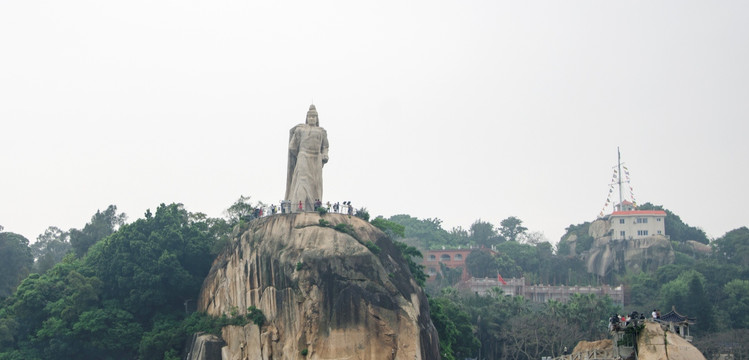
(653, 343)
(645, 254)
(606, 254)
(324, 293)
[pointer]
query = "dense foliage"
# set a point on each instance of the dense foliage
(676, 229)
(120, 291)
(710, 286)
(124, 299)
(15, 261)
(496, 326)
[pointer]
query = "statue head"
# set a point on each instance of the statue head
(312, 118)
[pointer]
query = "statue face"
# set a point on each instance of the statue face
(312, 120)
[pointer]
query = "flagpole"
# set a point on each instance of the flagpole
(619, 164)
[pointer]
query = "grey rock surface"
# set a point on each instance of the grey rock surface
(321, 290)
(203, 346)
(599, 228)
(645, 254)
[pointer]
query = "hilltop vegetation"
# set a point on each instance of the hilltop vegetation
(711, 286)
(120, 290)
(117, 294)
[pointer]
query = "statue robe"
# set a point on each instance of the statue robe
(308, 150)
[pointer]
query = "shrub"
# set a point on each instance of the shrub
(346, 229)
(256, 315)
(299, 266)
(324, 223)
(362, 214)
(322, 210)
(372, 247)
(304, 352)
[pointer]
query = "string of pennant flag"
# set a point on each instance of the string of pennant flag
(614, 181)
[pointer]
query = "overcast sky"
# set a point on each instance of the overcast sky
(456, 110)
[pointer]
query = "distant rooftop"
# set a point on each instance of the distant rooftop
(638, 212)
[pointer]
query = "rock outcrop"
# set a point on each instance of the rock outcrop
(644, 254)
(653, 343)
(326, 293)
(602, 348)
(203, 346)
(607, 255)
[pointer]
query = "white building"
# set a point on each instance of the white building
(627, 223)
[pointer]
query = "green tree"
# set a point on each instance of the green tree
(579, 232)
(524, 255)
(241, 210)
(428, 233)
(391, 228)
(109, 330)
(410, 253)
(642, 289)
(737, 303)
(50, 248)
(15, 261)
(493, 314)
(460, 235)
(686, 293)
(733, 247)
(455, 329)
(102, 225)
(507, 267)
(481, 264)
(483, 233)
(450, 277)
(675, 228)
(699, 304)
(110, 301)
(155, 264)
(590, 313)
(511, 228)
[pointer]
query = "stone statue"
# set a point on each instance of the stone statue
(308, 152)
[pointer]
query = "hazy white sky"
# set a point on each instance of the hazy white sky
(457, 110)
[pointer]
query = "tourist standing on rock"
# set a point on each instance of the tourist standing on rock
(308, 152)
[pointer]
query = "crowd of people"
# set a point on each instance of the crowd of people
(620, 322)
(285, 207)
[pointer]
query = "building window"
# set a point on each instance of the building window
(458, 257)
(659, 232)
(642, 233)
(642, 220)
(621, 221)
(432, 257)
(432, 271)
(658, 219)
(444, 257)
(621, 233)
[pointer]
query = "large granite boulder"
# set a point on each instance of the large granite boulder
(599, 228)
(655, 343)
(203, 346)
(326, 293)
(642, 254)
